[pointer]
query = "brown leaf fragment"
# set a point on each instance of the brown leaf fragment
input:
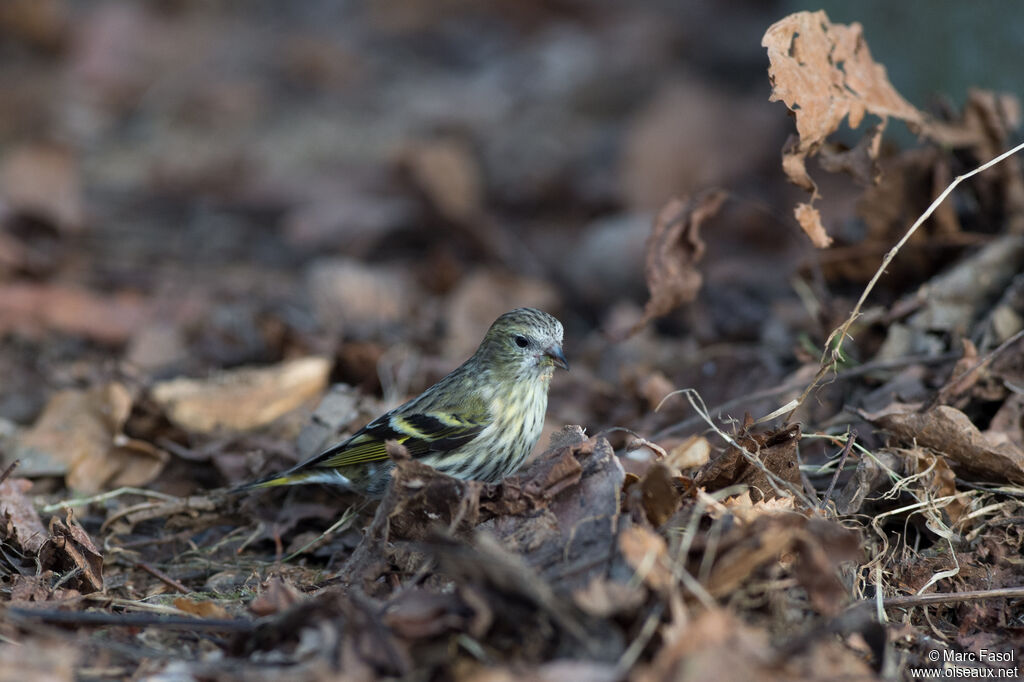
(20, 524)
(34, 309)
(203, 608)
(964, 375)
(824, 73)
(693, 452)
(656, 494)
(69, 548)
(36, 588)
(79, 434)
(809, 219)
(278, 595)
(814, 548)
(647, 553)
(776, 452)
(242, 399)
(1007, 426)
(604, 598)
(821, 547)
(674, 248)
(446, 171)
(748, 548)
(948, 431)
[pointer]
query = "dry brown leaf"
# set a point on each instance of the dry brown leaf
(604, 598)
(20, 524)
(949, 431)
(242, 399)
(447, 172)
(79, 435)
(692, 452)
(809, 219)
(202, 609)
(824, 73)
(657, 494)
(33, 309)
(646, 552)
(42, 181)
(748, 548)
(1008, 423)
(69, 548)
(776, 451)
(940, 482)
(673, 250)
(359, 298)
(814, 548)
(279, 595)
(748, 511)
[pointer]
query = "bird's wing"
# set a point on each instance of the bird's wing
(421, 432)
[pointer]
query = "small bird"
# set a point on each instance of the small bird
(478, 423)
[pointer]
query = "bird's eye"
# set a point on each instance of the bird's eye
(521, 341)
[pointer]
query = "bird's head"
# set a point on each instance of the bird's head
(522, 342)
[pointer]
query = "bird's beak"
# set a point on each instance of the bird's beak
(555, 353)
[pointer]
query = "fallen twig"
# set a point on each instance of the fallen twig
(162, 577)
(96, 619)
(953, 597)
(851, 437)
(10, 469)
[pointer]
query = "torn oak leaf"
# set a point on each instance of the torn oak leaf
(674, 247)
(824, 73)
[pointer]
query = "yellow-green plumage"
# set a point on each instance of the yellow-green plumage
(479, 422)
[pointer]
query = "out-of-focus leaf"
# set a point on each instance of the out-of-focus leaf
(242, 399)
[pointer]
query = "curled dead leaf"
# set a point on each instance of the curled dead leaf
(242, 399)
(949, 431)
(673, 250)
(69, 548)
(79, 435)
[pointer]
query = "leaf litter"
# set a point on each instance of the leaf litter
(652, 544)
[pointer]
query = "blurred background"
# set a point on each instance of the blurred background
(188, 186)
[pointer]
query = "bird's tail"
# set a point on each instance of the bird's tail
(271, 481)
(300, 474)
